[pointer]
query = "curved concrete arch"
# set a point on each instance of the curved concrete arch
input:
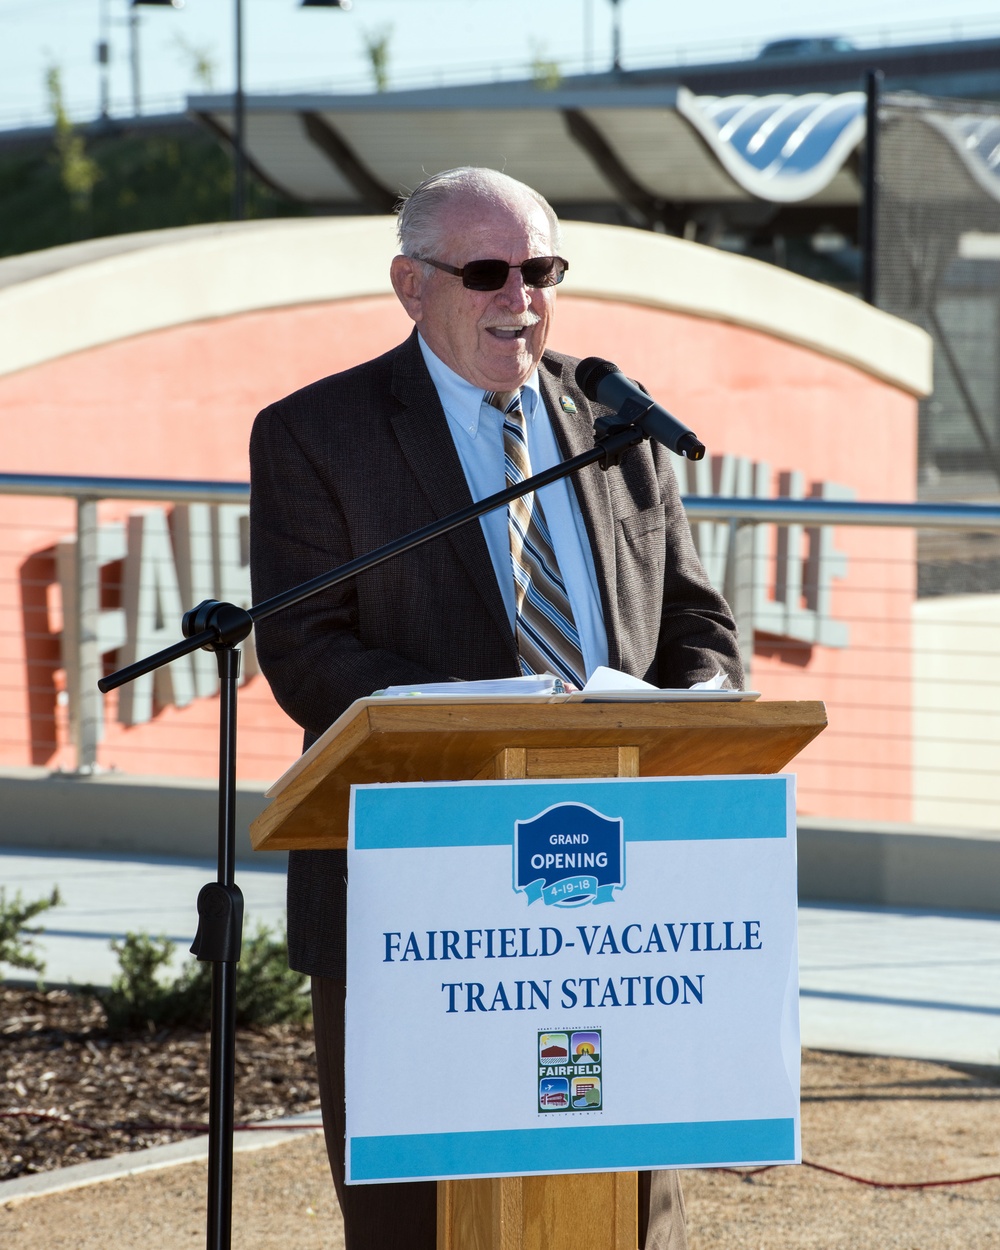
(69, 299)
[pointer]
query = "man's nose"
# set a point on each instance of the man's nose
(514, 294)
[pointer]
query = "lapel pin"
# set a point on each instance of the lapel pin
(567, 404)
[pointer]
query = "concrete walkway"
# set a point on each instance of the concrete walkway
(876, 980)
(106, 896)
(905, 982)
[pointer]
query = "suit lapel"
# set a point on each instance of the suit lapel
(422, 430)
(574, 434)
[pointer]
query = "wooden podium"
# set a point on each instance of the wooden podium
(433, 740)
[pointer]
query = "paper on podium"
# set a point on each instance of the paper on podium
(534, 683)
(603, 680)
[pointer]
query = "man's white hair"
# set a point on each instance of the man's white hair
(420, 220)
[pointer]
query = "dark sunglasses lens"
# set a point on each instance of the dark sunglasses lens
(542, 271)
(485, 275)
(491, 275)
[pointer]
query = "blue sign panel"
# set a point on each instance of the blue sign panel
(568, 856)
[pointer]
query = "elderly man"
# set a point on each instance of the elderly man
(597, 570)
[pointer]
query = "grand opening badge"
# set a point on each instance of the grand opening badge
(568, 856)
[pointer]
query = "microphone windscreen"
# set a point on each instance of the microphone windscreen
(590, 373)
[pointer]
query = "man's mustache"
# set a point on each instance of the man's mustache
(522, 322)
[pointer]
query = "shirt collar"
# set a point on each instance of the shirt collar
(462, 402)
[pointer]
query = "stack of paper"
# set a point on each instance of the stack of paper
(602, 681)
(540, 683)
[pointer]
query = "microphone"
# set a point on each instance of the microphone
(605, 383)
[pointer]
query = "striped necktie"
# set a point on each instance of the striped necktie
(547, 637)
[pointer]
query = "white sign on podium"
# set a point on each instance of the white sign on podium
(571, 976)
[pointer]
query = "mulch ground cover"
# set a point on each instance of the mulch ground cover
(72, 1091)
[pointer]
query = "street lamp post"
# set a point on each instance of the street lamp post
(239, 103)
(134, 40)
(239, 121)
(616, 36)
(104, 59)
(239, 98)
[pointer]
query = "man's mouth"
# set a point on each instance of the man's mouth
(508, 332)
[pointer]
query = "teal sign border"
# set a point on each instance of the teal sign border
(594, 1147)
(654, 809)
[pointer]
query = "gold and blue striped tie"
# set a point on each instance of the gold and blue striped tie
(547, 637)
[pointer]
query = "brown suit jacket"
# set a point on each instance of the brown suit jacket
(358, 459)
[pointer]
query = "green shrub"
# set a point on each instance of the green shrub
(16, 945)
(142, 995)
(267, 990)
(149, 180)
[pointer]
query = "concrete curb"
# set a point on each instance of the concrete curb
(155, 1158)
(121, 814)
(895, 865)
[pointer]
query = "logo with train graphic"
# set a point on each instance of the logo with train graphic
(570, 1070)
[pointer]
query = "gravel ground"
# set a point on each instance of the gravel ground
(890, 1120)
(282, 1197)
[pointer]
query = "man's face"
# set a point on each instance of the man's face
(493, 339)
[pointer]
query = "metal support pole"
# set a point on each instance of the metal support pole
(86, 713)
(616, 35)
(220, 931)
(104, 59)
(868, 225)
(739, 588)
(239, 123)
(133, 31)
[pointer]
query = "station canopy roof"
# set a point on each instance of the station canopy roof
(644, 147)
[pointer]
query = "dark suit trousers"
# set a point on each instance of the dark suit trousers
(404, 1217)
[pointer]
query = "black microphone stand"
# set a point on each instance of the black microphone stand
(221, 627)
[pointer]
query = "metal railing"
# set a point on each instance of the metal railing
(960, 516)
(88, 489)
(935, 672)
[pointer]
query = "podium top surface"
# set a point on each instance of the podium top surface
(427, 740)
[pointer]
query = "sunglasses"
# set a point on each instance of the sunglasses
(491, 275)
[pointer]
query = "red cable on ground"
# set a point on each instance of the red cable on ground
(259, 1125)
(863, 1180)
(181, 1127)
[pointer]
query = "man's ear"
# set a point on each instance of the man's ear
(407, 277)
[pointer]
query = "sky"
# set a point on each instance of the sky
(288, 48)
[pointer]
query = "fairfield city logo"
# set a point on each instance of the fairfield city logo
(568, 856)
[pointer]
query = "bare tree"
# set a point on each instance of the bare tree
(78, 172)
(377, 47)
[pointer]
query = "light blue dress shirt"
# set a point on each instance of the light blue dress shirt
(477, 430)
